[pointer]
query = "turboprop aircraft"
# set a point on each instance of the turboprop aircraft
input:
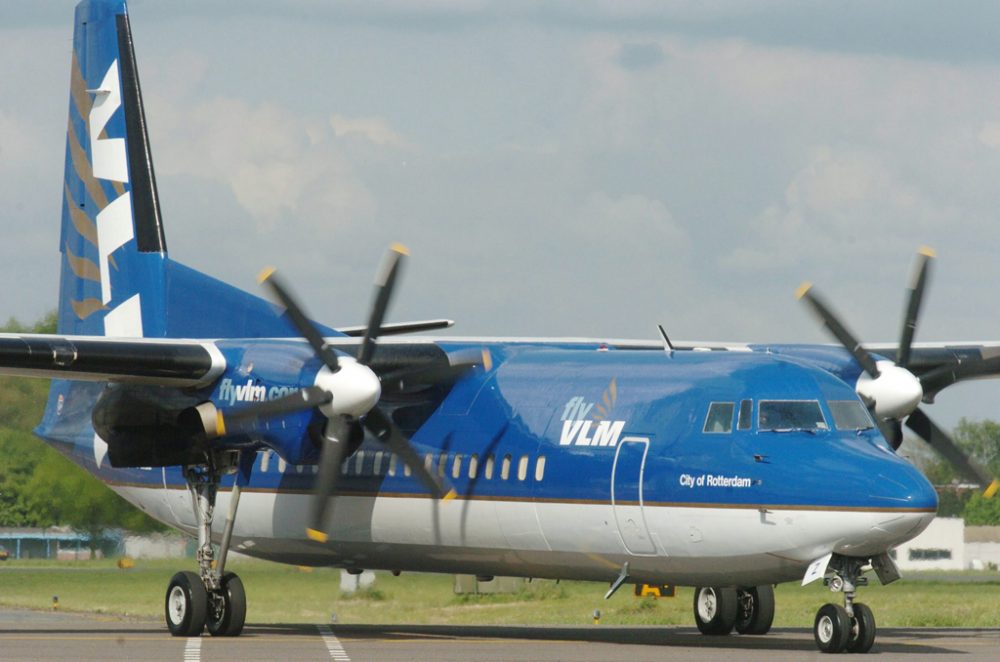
(729, 470)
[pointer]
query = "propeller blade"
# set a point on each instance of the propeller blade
(331, 455)
(302, 323)
(839, 331)
(306, 398)
(382, 427)
(384, 282)
(892, 430)
(916, 289)
(943, 444)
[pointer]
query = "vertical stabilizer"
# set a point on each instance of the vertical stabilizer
(112, 243)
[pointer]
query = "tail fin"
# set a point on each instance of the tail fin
(116, 277)
(112, 242)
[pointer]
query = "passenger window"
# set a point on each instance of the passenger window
(720, 418)
(522, 468)
(540, 468)
(473, 465)
(442, 463)
(505, 468)
(377, 467)
(359, 464)
(456, 467)
(282, 465)
(790, 415)
(265, 461)
(746, 415)
(392, 464)
(489, 467)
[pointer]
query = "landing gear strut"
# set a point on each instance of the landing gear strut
(849, 628)
(212, 597)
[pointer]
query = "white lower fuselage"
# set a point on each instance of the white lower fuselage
(588, 541)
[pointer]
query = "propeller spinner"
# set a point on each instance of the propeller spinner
(891, 391)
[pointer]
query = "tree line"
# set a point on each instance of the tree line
(39, 487)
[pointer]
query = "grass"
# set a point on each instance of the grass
(285, 594)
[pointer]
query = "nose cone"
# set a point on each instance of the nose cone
(899, 484)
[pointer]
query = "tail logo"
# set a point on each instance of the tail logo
(114, 226)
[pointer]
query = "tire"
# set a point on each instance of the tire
(228, 609)
(831, 628)
(755, 609)
(862, 634)
(186, 605)
(715, 609)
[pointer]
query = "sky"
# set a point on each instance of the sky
(556, 169)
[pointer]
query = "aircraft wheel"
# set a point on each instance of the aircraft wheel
(832, 628)
(227, 609)
(755, 611)
(186, 605)
(715, 609)
(862, 634)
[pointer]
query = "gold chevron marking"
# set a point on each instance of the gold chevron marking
(86, 227)
(87, 307)
(613, 390)
(83, 170)
(82, 267)
(78, 90)
(600, 409)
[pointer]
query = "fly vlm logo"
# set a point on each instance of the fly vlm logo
(232, 393)
(598, 429)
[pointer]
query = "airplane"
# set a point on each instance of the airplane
(729, 468)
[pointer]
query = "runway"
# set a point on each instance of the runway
(28, 635)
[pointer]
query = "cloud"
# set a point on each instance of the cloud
(373, 129)
(640, 56)
(278, 164)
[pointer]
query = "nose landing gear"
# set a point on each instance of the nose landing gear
(850, 628)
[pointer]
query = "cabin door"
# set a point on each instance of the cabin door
(626, 495)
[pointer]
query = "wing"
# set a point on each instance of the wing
(180, 363)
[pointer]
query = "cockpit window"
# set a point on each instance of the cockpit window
(849, 415)
(720, 417)
(788, 415)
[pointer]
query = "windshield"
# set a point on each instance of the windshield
(849, 415)
(785, 415)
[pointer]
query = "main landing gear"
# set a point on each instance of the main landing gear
(748, 609)
(850, 628)
(212, 597)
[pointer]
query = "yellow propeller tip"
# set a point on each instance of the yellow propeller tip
(450, 495)
(265, 274)
(487, 360)
(803, 288)
(220, 423)
(927, 251)
(400, 248)
(992, 489)
(318, 536)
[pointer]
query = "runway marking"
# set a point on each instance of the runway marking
(192, 650)
(337, 651)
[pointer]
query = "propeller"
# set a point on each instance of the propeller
(891, 391)
(346, 391)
